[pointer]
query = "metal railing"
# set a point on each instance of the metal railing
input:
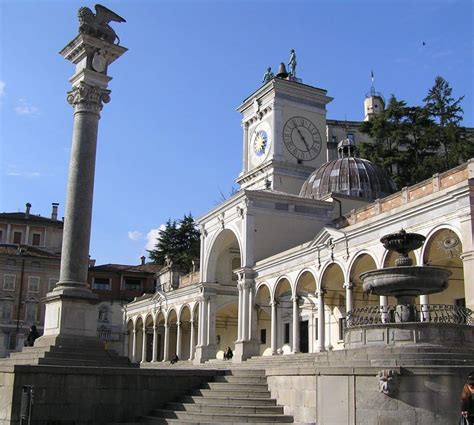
(430, 313)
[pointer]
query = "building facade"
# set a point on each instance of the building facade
(281, 265)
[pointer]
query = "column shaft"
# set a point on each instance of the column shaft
(166, 344)
(155, 344)
(349, 297)
(250, 315)
(134, 346)
(245, 316)
(144, 345)
(178, 340)
(321, 322)
(274, 328)
(239, 318)
(80, 189)
(296, 324)
(191, 341)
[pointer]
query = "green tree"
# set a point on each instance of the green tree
(179, 242)
(414, 142)
(447, 113)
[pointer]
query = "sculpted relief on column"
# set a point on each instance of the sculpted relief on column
(85, 97)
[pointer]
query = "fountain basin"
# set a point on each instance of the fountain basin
(406, 281)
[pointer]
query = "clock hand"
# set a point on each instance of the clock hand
(302, 138)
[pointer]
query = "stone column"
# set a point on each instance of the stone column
(155, 343)
(384, 314)
(425, 308)
(134, 345)
(467, 258)
(178, 339)
(144, 345)
(245, 311)
(348, 286)
(321, 320)
(239, 313)
(296, 325)
(70, 312)
(250, 314)
(191, 341)
(166, 343)
(273, 343)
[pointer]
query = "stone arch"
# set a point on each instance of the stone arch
(129, 334)
(305, 289)
(171, 321)
(186, 328)
(223, 254)
(362, 262)
(138, 338)
(149, 323)
(443, 248)
(263, 298)
(160, 320)
(332, 282)
(282, 296)
(226, 326)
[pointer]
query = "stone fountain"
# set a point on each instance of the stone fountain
(405, 282)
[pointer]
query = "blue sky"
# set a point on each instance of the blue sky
(170, 140)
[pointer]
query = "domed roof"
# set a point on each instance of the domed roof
(348, 175)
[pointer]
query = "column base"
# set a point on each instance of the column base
(245, 349)
(203, 353)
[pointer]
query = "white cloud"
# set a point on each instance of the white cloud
(25, 108)
(135, 235)
(151, 237)
(2, 88)
(31, 174)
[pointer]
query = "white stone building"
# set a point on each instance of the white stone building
(281, 259)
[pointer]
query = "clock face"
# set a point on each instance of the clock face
(260, 143)
(302, 138)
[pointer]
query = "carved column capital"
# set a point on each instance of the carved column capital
(348, 285)
(320, 293)
(85, 97)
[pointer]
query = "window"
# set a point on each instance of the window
(263, 336)
(342, 327)
(17, 237)
(9, 282)
(33, 284)
(286, 340)
(52, 283)
(31, 312)
(101, 283)
(6, 308)
(36, 239)
(133, 284)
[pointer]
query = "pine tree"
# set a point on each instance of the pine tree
(179, 242)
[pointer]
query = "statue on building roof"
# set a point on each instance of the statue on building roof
(292, 63)
(268, 75)
(98, 25)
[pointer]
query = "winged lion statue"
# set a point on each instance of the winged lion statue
(98, 25)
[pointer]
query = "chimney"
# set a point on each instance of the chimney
(143, 258)
(54, 211)
(27, 212)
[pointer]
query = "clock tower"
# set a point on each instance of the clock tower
(284, 135)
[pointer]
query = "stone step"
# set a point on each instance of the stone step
(246, 380)
(170, 421)
(216, 418)
(233, 401)
(244, 393)
(221, 408)
(235, 386)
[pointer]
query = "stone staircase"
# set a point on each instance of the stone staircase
(67, 356)
(240, 396)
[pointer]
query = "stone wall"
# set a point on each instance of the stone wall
(80, 396)
(351, 395)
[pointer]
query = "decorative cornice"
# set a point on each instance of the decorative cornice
(87, 98)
